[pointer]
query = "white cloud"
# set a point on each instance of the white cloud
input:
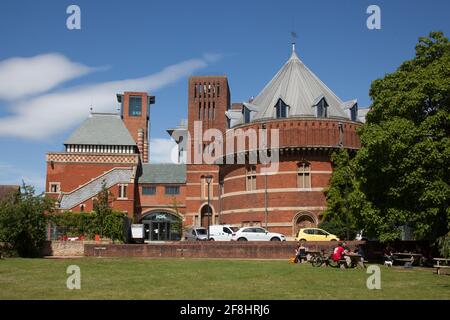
(21, 77)
(163, 151)
(52, 113)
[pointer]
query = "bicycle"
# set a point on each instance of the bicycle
(319, 260)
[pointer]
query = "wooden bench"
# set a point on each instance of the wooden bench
(439, 266)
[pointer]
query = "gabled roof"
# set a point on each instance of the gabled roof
(163, 173)
(300, 89)
(102, 129)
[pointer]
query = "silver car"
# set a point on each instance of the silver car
(196, 234)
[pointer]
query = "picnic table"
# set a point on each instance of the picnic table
(413, 258)
(356, 259)
(441, 263)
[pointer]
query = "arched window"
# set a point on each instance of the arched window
(304, 176)
(281, 109)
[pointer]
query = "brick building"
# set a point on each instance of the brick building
(310, 122)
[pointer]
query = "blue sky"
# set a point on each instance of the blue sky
(49, 75)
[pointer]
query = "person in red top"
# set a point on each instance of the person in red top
(337, 253)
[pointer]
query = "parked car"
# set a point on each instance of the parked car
(195, 234)
(256, 234)
(221, 232)
(315, 234)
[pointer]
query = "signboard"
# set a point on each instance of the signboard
(137, 231)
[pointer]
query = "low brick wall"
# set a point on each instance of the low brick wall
(68, 248)
(200, 249)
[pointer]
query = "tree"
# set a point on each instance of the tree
(102, 208)
(23, 221)
(403, 165)
(341, 217)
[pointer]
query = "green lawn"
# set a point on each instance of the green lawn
(135, 278)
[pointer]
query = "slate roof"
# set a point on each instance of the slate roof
(299, 88)
(102, 129)
(163, 173)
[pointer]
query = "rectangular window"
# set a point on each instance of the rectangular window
(251, 178)
(304, 176)
(54, 187)
(122, 191)
(246, 113)
(148, 190)
(172, 190)
(135, 106)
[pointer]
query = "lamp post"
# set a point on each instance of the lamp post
(266, 213)
(208, 181)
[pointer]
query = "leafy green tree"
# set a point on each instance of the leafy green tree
(102, 208)
(403, 166)
(341, 216)
(23, 221)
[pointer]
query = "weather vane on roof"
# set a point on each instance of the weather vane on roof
(293, 37)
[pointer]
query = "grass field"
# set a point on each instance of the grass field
(140, 278)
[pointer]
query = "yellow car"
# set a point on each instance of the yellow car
(315, 234)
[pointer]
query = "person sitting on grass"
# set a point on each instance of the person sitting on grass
(300, 253)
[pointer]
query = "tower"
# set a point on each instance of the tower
(135, 113)
(208, 100)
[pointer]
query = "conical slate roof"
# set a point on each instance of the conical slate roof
(300, 89)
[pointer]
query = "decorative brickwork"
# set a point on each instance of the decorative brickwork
(92, 158)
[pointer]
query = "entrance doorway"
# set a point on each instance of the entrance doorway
(206, 212)
(303, 221)
(161, 226)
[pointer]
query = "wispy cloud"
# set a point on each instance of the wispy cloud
(22, 77)
(52, 113)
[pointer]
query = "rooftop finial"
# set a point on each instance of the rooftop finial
(294, 36)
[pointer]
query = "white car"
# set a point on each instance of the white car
(256, 234)
(221, 232)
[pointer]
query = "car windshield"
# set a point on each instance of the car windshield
(201, 231)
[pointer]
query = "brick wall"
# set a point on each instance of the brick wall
(245, 250)
(67, 248)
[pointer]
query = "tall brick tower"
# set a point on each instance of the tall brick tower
(209, 99)
(135, 113)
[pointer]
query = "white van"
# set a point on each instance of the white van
(221, 232)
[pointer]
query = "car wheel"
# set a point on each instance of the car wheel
(333, 240)
(275, 239)
(302, 239)
(211, 239)
(242, 239)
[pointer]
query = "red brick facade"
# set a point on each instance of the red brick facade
(240, 194)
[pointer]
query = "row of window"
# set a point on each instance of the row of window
(206, 90)
(207, 112)
(282, 110)
(99, 148)
(169, 190)
(303, 177)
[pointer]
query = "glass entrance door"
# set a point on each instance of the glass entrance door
(159, 231)
(161, 226)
